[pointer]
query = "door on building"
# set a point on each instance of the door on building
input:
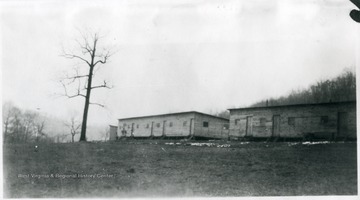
(241, 123)
(248, 126)
(342, 124)
(163, 134)
(276, 126)
(132, 130)
(191, 133)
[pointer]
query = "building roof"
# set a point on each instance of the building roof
(177, 113)
(295, 105)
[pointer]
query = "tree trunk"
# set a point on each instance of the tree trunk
(91, 65)
(26, 134)
(87, 100)
(72, 138)
(86, 108)
(84, 121)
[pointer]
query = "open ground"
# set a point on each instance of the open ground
(164, 168)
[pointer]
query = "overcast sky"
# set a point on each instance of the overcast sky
(175, 55)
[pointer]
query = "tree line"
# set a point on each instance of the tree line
(29, 126)
(339, 89)
(21, 126)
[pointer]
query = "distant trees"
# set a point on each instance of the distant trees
(11, 121)
(61, 138)
(22, 126)
(338, 89)
(106, 133)
(224, 114)
(74, 127)
(91, 56)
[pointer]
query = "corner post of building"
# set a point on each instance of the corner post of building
(132, 130)
(152, 130)
(228, 135)
(163, 135)
(191, 134)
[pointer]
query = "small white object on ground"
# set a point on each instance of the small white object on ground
(311, 143)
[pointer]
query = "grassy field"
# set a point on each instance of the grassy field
(149, 168)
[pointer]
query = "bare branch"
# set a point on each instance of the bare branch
(77, 76)
(77, 127)
(101, 61)
(101, 86)
(72, 96)
(86, 48)
(40, 127)
(72, 56)
(104, 58)
(101, 105)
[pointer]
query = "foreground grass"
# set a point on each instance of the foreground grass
(155, 169)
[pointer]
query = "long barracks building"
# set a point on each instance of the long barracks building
(183, 124)
(323, 120)
(336, 120)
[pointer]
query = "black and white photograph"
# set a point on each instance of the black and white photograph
(179, 98)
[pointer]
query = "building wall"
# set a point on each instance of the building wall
(294, 121)
(217, 128)
(113, 132)
(179, 125)
(172, 125)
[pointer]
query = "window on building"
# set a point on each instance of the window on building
(158, 125)
(263, 121)
(205, 124)
(237, 121)
(128, 126)
(291, 121)
(170, 124)
(324, 119)
(185, 123)
(137, 125)
(147, 126)
(226, 126)
(124, 125)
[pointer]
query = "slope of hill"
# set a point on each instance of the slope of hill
(338, 89)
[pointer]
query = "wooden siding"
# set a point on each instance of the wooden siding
(294, 121)
(177, 125)
(158, 126)
(215, 127)
(113, 132)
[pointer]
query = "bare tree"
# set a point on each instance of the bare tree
(16, 128)
(29, 125)
(10, 115)
(23, 126)
(7, 114)
(106, 133)
(74, 127)
(92, 58)
(60, 138)
(40, 125)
